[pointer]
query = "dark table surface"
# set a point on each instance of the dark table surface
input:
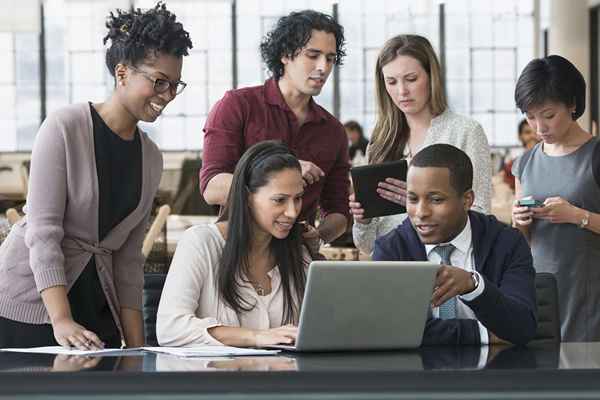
(569, 370)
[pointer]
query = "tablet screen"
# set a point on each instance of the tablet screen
(365, 179)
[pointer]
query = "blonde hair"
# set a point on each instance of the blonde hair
(391, 132)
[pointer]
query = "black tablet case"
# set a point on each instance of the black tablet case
(365, 179)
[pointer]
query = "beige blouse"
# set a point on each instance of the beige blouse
(190, 304)
(459, 131)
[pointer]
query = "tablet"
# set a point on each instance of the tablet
(365, 179)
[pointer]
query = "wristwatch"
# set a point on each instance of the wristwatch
(475, 277)
(585, 220)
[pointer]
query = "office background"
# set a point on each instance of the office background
(51, 54)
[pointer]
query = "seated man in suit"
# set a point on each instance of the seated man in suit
(484, 290)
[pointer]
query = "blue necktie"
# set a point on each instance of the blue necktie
(448, 309)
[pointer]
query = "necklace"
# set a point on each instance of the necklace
(259, 289)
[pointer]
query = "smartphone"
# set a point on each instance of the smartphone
(530, 203)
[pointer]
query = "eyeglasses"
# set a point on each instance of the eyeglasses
(162, 85)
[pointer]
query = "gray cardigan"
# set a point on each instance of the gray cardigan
(53, 243)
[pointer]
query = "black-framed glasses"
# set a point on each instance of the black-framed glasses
(162, 85)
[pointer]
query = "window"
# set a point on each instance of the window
(486, 46)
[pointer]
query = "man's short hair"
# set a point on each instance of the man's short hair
(292, 32)
(447, 156)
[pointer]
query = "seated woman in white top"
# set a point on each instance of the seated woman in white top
(240, 282)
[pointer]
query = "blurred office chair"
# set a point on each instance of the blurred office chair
(548, 320)
(188, 199)
(24, 174)
(155, 229)
(153, 282)
(153, 286)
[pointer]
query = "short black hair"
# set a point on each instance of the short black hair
(522, 125)
(447, 156)
(352, 125)
(552, 78)
(292, 32)
(136, 35)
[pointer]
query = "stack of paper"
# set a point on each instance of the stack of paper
(210, 351)
(72, 352)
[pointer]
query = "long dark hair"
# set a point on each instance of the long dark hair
(253, 171)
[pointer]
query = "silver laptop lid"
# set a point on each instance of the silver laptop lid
(365, 305)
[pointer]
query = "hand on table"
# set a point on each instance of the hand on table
(283, 335)
(69, 333)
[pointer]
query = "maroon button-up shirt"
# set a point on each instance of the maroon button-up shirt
(250, 115)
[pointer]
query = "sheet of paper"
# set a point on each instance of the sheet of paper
(199, 351)
(210, 351)
(71, 352)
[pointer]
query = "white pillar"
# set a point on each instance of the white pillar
(569, 36)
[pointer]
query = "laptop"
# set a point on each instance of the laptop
(364, 305)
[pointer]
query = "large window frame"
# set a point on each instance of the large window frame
(348, 95)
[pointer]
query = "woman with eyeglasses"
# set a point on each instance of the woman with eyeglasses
(71, 271)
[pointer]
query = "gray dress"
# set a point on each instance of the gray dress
(571, 253)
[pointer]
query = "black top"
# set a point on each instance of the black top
(119, 168)
(361, 145)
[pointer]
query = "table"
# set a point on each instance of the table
(566, 371)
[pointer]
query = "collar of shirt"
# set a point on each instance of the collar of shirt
(274, 97)
(462, 241)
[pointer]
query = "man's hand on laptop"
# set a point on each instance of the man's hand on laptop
(283, 335)
(450, 282)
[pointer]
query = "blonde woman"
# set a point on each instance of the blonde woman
(412, 114)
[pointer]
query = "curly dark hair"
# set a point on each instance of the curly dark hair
(136, 35)
(291, 34)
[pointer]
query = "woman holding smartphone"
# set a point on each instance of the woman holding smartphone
(563, 173)
(412, 114)
(71, 271)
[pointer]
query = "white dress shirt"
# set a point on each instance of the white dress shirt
(462, 257)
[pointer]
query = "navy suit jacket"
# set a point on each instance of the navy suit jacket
(507, 306)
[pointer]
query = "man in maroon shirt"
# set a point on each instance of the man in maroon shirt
(300, 53)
